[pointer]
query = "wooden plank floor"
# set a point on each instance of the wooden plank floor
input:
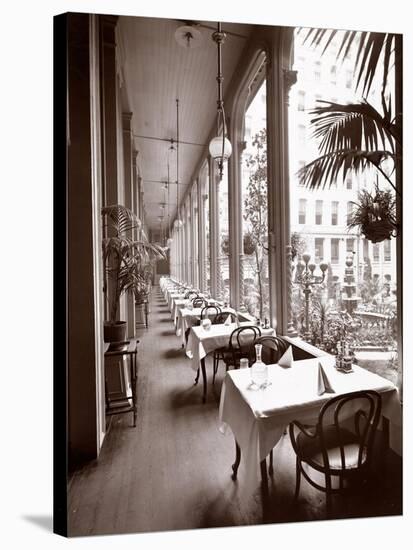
(173, 470)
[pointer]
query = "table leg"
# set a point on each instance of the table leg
(237, 461)
(264, 485)
(133, 380)
(204, 380)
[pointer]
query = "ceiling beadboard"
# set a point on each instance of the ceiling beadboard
(158, 71)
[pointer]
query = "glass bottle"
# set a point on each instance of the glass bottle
(259, 370)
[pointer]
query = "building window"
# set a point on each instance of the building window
(317, 70)
(350, 246)
(333, 74)
(335, 247)
(349, 211)
(301, 100)
(387, 250)
(318, 212)
(302, 211)
(319, 249)
(376, 252)
(334, 213)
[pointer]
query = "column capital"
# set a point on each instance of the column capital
(290, 78)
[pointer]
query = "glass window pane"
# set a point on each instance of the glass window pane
(223, 236)
(334, 213)
(335, 251)
(318, 212)
(254, 206)
(361, 278)
(205, 231)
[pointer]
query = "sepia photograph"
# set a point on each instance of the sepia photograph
(234, 273)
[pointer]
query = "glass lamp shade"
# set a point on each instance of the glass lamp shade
(215, 148)
(178, 223)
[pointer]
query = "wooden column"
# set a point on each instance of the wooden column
(279, 80)
(129, 203)
(235, 220)
(399, 206)
(84, 281)
(201, 232)
(109, 108)
(135, 187)
(213, 225)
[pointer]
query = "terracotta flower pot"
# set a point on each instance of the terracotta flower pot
(114, 332)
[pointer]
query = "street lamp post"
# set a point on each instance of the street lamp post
(306, 278)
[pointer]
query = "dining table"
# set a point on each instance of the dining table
(258, 418)
(188, 317)
(203, 341)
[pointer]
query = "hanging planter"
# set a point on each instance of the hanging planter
(375, 215)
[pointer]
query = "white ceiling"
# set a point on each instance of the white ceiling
(157, 71)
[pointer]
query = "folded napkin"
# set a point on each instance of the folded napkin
(287, 360)
(323, 383)
(228, 320)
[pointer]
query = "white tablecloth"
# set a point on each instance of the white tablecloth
(258, 418)
(201, 341)
(187, 318)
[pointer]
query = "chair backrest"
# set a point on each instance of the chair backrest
(222, 317)
(273, 348)
(198, 302)
(241, 341)
(191, 294)
(208, 311)
(359, 412)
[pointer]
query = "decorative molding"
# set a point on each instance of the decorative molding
(290, 78)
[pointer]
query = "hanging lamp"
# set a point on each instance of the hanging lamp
(220, 147)
(178, 222)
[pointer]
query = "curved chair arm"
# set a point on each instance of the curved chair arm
(304, 430)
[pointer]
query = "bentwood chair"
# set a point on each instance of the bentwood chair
(239, 346)
(196, 302)
(209, 311)
(199, 302)
(273, 348)
(220, 318)
(340, 445)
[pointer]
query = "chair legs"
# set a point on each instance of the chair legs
(271, 466)
(197, 377)
(215, 366)
(297, 478)
(237, 461)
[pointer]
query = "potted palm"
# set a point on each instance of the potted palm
(126, 262)
(358, 136)
(375, 214)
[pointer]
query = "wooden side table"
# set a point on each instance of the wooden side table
(122, 405)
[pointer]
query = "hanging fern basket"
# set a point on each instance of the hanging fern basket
(379, 230)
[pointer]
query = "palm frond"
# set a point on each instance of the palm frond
(352, 126)
(122, 218)
(373, 48)
(326, 169)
